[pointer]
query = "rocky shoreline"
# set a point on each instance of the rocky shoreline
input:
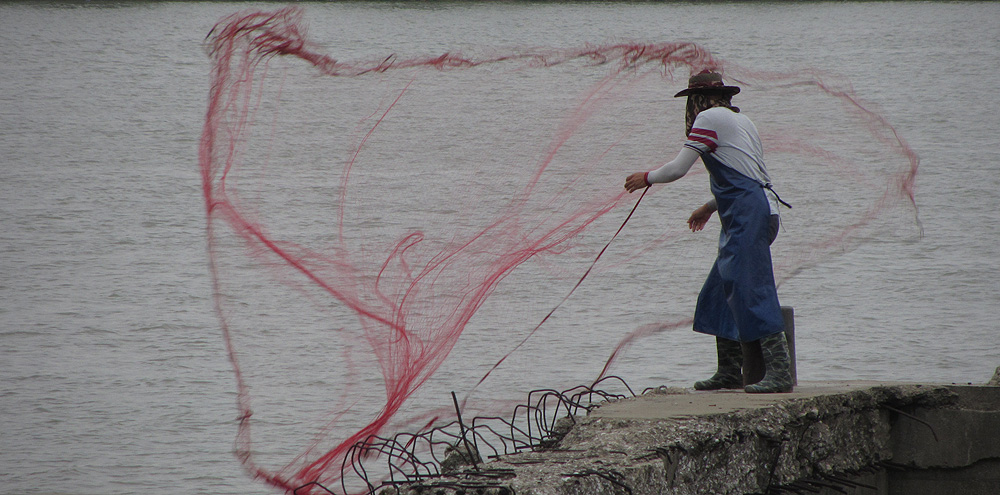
(831, 437)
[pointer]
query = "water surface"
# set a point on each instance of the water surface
(113, 375)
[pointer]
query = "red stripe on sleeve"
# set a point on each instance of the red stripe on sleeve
(705, 132)
(711, 144)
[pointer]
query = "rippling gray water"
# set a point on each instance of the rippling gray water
(113, 375)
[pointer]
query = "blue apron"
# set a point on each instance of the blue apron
(739, 300)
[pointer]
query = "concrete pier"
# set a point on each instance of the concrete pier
(858, 438)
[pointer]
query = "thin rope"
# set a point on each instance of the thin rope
(568, 295)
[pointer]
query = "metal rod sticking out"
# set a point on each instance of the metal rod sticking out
(473, 457)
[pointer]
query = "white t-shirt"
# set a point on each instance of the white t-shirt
(733, 140)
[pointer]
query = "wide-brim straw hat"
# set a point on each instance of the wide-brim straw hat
(707, 82)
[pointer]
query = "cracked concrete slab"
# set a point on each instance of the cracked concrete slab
(678, 441)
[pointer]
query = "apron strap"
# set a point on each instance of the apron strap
(771, 188)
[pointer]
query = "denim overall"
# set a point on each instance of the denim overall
(739, 300)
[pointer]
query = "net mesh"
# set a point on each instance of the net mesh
(360, 214)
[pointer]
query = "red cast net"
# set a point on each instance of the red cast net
(361, 213)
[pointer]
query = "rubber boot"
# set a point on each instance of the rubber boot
(777, 376)
(753, 362)
(728, 374)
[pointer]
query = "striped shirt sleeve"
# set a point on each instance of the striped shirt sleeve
(702, 140)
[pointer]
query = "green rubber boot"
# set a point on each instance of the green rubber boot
(777, 377)
(729, 374)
